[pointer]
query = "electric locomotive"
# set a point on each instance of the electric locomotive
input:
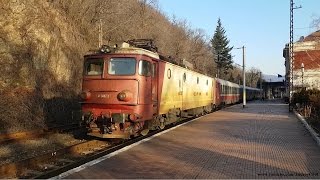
(130, 89)
(119, 91)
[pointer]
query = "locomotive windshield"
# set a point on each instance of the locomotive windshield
(93, 67)
(122, 66)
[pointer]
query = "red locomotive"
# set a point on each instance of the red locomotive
(129, 90)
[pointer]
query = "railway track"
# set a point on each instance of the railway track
(41, 164)
(56, 162)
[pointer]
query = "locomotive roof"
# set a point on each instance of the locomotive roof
(126, 49)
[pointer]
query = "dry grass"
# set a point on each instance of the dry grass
(33, 147)
(22, 110)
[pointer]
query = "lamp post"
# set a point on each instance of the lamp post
(244, 75)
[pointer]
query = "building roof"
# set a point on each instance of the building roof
(310, 59)
(313, 37)
(273, 78)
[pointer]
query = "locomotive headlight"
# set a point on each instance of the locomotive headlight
(125, 96)
(85, 95)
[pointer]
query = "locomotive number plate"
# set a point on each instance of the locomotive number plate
(103, 96)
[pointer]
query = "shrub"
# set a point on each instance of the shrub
(308, 103)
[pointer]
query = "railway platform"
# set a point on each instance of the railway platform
(260, 141)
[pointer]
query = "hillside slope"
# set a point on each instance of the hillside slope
(42, 44)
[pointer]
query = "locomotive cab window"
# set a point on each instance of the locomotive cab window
(122, 66)
(145, 68)
(93, 67)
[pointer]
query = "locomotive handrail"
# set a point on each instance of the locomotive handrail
(108, 91)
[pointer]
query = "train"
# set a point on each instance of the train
(130, 89)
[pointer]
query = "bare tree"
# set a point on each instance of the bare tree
(316, 22)
(253, 76)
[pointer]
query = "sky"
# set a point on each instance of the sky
(262, 26)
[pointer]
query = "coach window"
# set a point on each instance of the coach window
(184, 77)
(145, 68)
(207, 82)
(197, 80)
(169, 73)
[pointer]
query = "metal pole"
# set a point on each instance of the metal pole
(291, 56)
(260, 85)
(244, 76)
(100, 33)
(218, 68)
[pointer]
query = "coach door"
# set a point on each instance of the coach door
(154, 87)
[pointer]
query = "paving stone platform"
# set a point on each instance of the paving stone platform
(260, 141)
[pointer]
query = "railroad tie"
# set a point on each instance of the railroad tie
(48, 166)
(65, 161)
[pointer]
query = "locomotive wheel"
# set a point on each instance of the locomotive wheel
(144, 132)
(214, 108)
(162, 123)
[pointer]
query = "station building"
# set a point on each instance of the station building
(273, 87)
(306, 64)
